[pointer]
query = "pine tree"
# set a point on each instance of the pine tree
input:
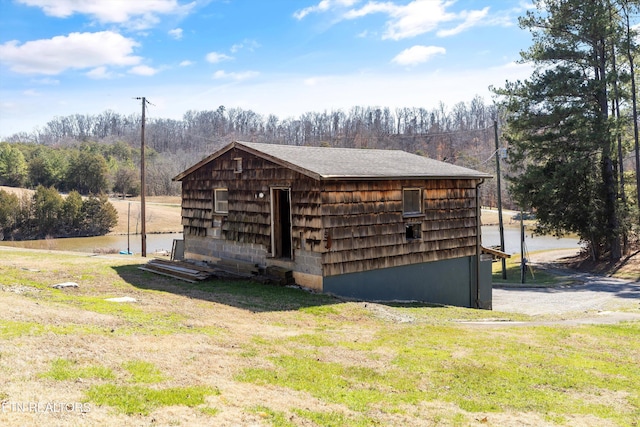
(560, 134)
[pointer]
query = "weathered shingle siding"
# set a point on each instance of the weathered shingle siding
(367, 227)
(197, 203)
(249, 216)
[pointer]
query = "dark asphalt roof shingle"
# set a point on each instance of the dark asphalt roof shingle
(349, 163)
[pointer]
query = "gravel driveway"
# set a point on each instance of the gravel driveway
(588, 298)
(591, 293)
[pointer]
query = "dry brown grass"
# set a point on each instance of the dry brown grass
(490, 216)
(167, 200)
(17, 191)
(163, 215)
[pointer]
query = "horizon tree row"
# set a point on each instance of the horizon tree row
(364, 126)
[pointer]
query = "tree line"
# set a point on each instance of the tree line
(47, 214)
(199, 129)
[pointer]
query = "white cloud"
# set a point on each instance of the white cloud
(31, 92)
(176, 33)
(143, 70)
(471, 19)
(373, 7)
(221, 74)
(417, 17)
(139, 14)
(247, 44)
(186, 63)
(323, 6)
(417, 54)
(404, 20)
(215, 57)
(75, 51)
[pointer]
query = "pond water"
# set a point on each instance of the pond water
(491, 237)
(164, 242)
(111, 243)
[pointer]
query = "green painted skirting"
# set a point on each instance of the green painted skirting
(450, 282)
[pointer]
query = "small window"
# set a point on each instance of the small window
(411, 201)
(237, 165)
(413, 231)
(221, 200)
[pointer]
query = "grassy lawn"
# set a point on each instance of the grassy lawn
(241, 353)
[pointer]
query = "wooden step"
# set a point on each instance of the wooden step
(280, 275)
(226, 268)
(243, 268)
(179, 270)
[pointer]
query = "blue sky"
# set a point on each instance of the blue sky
(283, 57)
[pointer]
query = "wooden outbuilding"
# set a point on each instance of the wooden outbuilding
(359, 223)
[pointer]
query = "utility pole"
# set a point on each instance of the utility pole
(501, 224)
(142, 187)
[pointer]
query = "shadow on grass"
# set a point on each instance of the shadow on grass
(245, 294)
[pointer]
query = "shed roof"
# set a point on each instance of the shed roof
(324, 163)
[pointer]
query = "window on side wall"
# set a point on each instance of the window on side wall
(221, 200)
(411, 201)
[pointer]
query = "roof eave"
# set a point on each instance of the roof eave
(405, 177)
(315, 175)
